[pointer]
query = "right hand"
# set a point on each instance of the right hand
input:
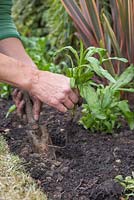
(54, 90)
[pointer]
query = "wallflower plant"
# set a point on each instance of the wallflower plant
(103, 109)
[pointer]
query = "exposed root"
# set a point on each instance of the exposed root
(38, 134)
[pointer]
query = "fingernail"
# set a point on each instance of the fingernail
(65, 110)
(36, 117)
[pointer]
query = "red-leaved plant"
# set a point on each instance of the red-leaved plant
(113, 31)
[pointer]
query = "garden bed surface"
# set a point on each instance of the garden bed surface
(84, 169)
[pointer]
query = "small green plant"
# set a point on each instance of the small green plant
(103, 109)
(5, 90)
(128, 184)
(11, 110)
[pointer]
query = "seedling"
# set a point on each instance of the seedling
(5, 90)
(11, 110)
(128, 184)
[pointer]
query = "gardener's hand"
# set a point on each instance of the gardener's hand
(54, 90)
(20, 104)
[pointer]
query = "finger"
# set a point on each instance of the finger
(18, 98)
(61, 108)
(73, 97)
(20, 108)
(36, 109)
(56, 104)
(68, 103)
(14, 94)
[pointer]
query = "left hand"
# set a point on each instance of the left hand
(20, 104)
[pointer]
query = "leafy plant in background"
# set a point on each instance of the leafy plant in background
(37, 49)
(128, 184)
(59, 24)
(41, 18)
(40, 52)
(29, 17)
(106, 24)
(104, 109)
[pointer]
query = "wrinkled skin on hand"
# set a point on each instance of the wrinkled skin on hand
(17, 96)
(54, 90)
(49, 88)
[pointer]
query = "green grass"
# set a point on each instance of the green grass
(15, 183)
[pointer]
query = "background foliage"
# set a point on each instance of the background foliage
(59, 24)
(29, 17)
(41, 18)
(107, 24)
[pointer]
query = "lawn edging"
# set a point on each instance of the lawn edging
(15, 183)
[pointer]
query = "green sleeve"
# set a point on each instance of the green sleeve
(7, 27)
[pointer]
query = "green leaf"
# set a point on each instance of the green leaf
(107, 97)
(115, 58)
(82, 55)
(89, 94)
(85, 77)
(119, 178)
(126, 89)
(11, 109)
(124, 107)
(86, 121)
(95, 65)
(68, 72)
(94, 50)
(107, 75)
(74, 52)
(99, 115)
(71, 60)
(126, 77)
(72, 83)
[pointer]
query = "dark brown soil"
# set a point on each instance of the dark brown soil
(86, 164)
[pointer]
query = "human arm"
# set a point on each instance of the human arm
(13, 47)
(14, 72)
(52, 89)
(10, 45)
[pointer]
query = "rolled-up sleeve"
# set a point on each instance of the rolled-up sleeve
(7, 26)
